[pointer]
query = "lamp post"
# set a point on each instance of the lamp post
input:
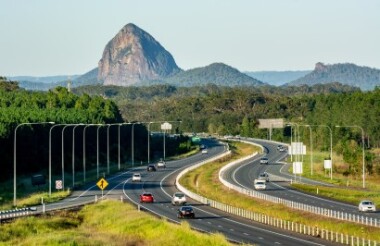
(363, 160)
(133, 143)
(51, 129)
(311, 149)
(97, 151)
(63, 155)
(73, 153)
(14, 157)
(84, 150)
(331, 156)
(118, 140)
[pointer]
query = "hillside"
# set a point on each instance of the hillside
(346, 73)
(216, 73)
(277, 78)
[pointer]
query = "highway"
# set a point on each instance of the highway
(243, 175)
(210, 220)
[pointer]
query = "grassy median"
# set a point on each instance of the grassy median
(204, 181)
(105, 223)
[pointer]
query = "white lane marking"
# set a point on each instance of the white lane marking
(84, 192)
(236, 222)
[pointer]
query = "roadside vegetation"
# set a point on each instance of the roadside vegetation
(104, 223)
(204, 181)
(347, 188)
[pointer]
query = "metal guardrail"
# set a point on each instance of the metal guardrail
(360, 219)
(268, 220)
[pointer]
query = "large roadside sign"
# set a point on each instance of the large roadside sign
(271, 123)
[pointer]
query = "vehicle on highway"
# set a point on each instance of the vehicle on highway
(146, 197)
(281, 148)
(264, 176)
(264, 160)
(367, 206)
(186, 212)
(204, 151)
(162, 164)
(151, 168)
(259, 184)
(136, 177)
(178, 199)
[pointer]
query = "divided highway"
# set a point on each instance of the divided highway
(162, 185)
(243, 175)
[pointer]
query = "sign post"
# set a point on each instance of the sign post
(102, 184)
(165, 126)
(270, 124)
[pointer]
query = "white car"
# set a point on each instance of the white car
(264, 160)
(260, 184)
(161, 164)
(136, 177)
(204, 151)
(366, 206)
(178, 198)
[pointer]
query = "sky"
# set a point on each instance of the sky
(67, 37)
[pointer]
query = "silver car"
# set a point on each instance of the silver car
(178, 199)
(367, 206)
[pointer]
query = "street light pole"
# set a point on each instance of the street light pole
(331, 155)
(84, 150)
(50, 155)
(363, 151)
(63, 155)
(14, 157)
(73, 154)
(311, 149)
(97, 151)
(133, 143)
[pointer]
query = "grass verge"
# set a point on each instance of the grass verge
(104, 223)
(204, 181)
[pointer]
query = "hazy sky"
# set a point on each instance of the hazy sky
(66, 37)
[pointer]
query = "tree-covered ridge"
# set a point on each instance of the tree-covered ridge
(365, 78)
(58, 105)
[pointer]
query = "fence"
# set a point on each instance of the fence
(268, 220)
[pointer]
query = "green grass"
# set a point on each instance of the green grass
(204, 181)
(347, 188)
(105, 223)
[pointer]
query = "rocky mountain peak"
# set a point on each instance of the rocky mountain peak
(133, 55)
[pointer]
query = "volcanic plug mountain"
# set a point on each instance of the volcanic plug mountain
(133, 56)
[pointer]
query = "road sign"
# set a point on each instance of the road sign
(166, 126)
(58, 184)
(102, 184)
(271, 123)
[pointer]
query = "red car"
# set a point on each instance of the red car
(146, 197)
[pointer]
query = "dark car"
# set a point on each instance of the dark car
(151, 168)
(186, 212)
(146, 197)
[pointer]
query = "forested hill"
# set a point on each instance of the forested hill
(350, 74)
(217, 73)
(277, 78)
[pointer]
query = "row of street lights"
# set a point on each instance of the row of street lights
(84, 149)
(331, 155)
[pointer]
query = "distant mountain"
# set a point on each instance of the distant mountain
(215, 73)
(347, 73)
(45, 79)
(42, 83)
(133, 55)
(277, 78)
(89, 78)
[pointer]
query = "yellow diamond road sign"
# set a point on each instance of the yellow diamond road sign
(102, 184)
